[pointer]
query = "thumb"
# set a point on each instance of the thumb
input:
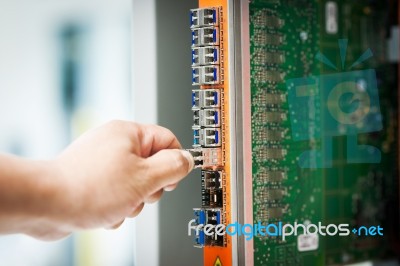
(168, 167)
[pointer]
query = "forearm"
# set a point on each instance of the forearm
(28, 194)
(103, 177)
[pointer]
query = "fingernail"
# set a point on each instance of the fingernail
(189, 158)
(169, 188)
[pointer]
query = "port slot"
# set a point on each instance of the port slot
(208, 216)
(212, 179)
(206, 117)
(200, 239)
(211, 74)
(210, 137)
(213, 216)
(196, 57)
(202, 17)
(205, 197)
(210, 36)
(205, 36)
(216, 198)
(200, 218)
(210, 117)
(196, 99)
(214, 240)
(210, 98)
(196, 74)
(196, 117)
(205, 75)
(196, 137)
(205, 56)
(210, 17)
(203, 99)
(206, 137)
(212, 157)
(195, 37)
(211, 188)
(211, 197)
(194, 18)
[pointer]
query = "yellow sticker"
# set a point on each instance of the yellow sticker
(217, 262)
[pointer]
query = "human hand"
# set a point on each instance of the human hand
(109, 173)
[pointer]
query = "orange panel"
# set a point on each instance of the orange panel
(222, 255)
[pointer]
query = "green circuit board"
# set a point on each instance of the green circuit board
(285, 37)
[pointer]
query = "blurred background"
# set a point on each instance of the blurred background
(64, 68)
(68, 66)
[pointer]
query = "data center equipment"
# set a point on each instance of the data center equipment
(296, 122)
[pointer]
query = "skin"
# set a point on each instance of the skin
(106, 175)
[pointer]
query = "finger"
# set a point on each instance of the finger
(136, 211)
(49, 236)
(156, 138)
(171, 187)
(115, 226)
(167, 167)
(154, 197)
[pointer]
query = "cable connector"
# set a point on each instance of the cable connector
(207, 157)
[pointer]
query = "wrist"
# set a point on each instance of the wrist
(29, 195)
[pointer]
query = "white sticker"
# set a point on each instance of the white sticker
(307, 242)
(331, 17)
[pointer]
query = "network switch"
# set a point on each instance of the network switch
(254, 167)
(210, 145)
